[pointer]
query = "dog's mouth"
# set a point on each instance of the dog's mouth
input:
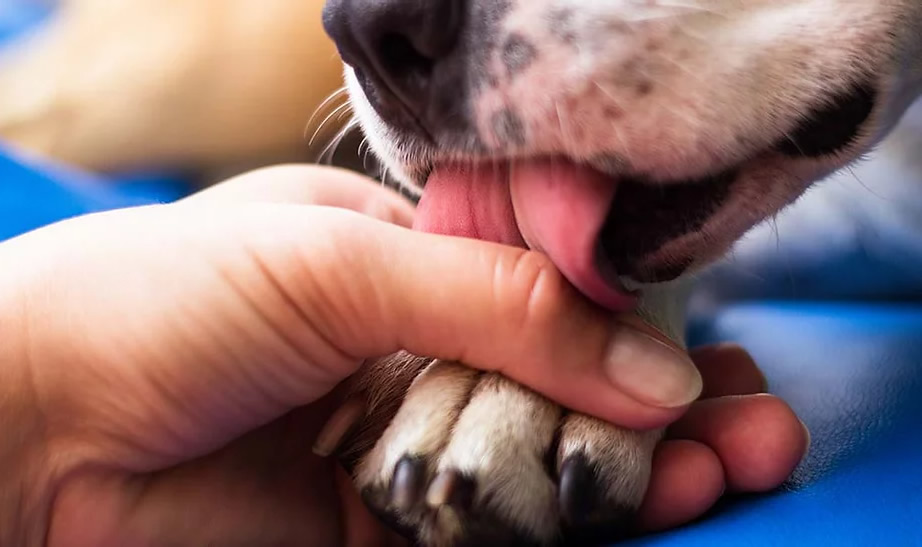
(557, 207)
(553, 205)
(599, 228)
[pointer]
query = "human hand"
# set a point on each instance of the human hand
(167, 367)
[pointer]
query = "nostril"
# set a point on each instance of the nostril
(402, 60)
(404, 54)
(393, 39)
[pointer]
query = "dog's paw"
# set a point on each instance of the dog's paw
(474, 459)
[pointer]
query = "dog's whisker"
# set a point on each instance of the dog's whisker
(668, 59)
(616, 130)
(326, 155)
(344, 112)
(658, 11)
(364, 150)
(773, 223)
(689, 120)
(687, 32)
(565, 138)
(339, 94)
(338, 111)
(734, 262)
(851, 171)
(787, 135)
(690, 7)
(788, 266)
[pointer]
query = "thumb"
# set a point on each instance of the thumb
(649, 371)
(310, 185)
(370, 289)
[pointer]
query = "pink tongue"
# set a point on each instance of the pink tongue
(551, 206)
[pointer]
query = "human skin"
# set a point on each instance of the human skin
(164, 370)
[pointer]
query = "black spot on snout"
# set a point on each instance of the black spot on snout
(518, 53)
(832, 127)
(560, 23)
(508, 128)
(481, 42)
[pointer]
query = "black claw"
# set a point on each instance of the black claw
(407, 505)
(452, 488)
(578, 492)
(407, 486)
(588, 518)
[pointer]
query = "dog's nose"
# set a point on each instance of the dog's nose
(395, 46)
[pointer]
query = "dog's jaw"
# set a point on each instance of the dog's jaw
(668, 94)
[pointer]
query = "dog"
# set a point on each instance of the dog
(654, 135)
(208, 88)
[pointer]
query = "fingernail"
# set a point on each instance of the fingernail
(650, 370)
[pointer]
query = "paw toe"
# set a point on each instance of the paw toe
(577, 495)
(588, 516)
(452, 489)
(408, 483)
(473, 459)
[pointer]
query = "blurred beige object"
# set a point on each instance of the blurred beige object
(204, 85)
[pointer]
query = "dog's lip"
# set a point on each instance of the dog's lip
(551, 205)
(605, 284)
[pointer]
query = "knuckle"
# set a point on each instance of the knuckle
(532, 287)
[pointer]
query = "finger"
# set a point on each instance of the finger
(758, 438)
(311, 185)
(728, 369)
(687, 479)
(490, 306)
(632, 363)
